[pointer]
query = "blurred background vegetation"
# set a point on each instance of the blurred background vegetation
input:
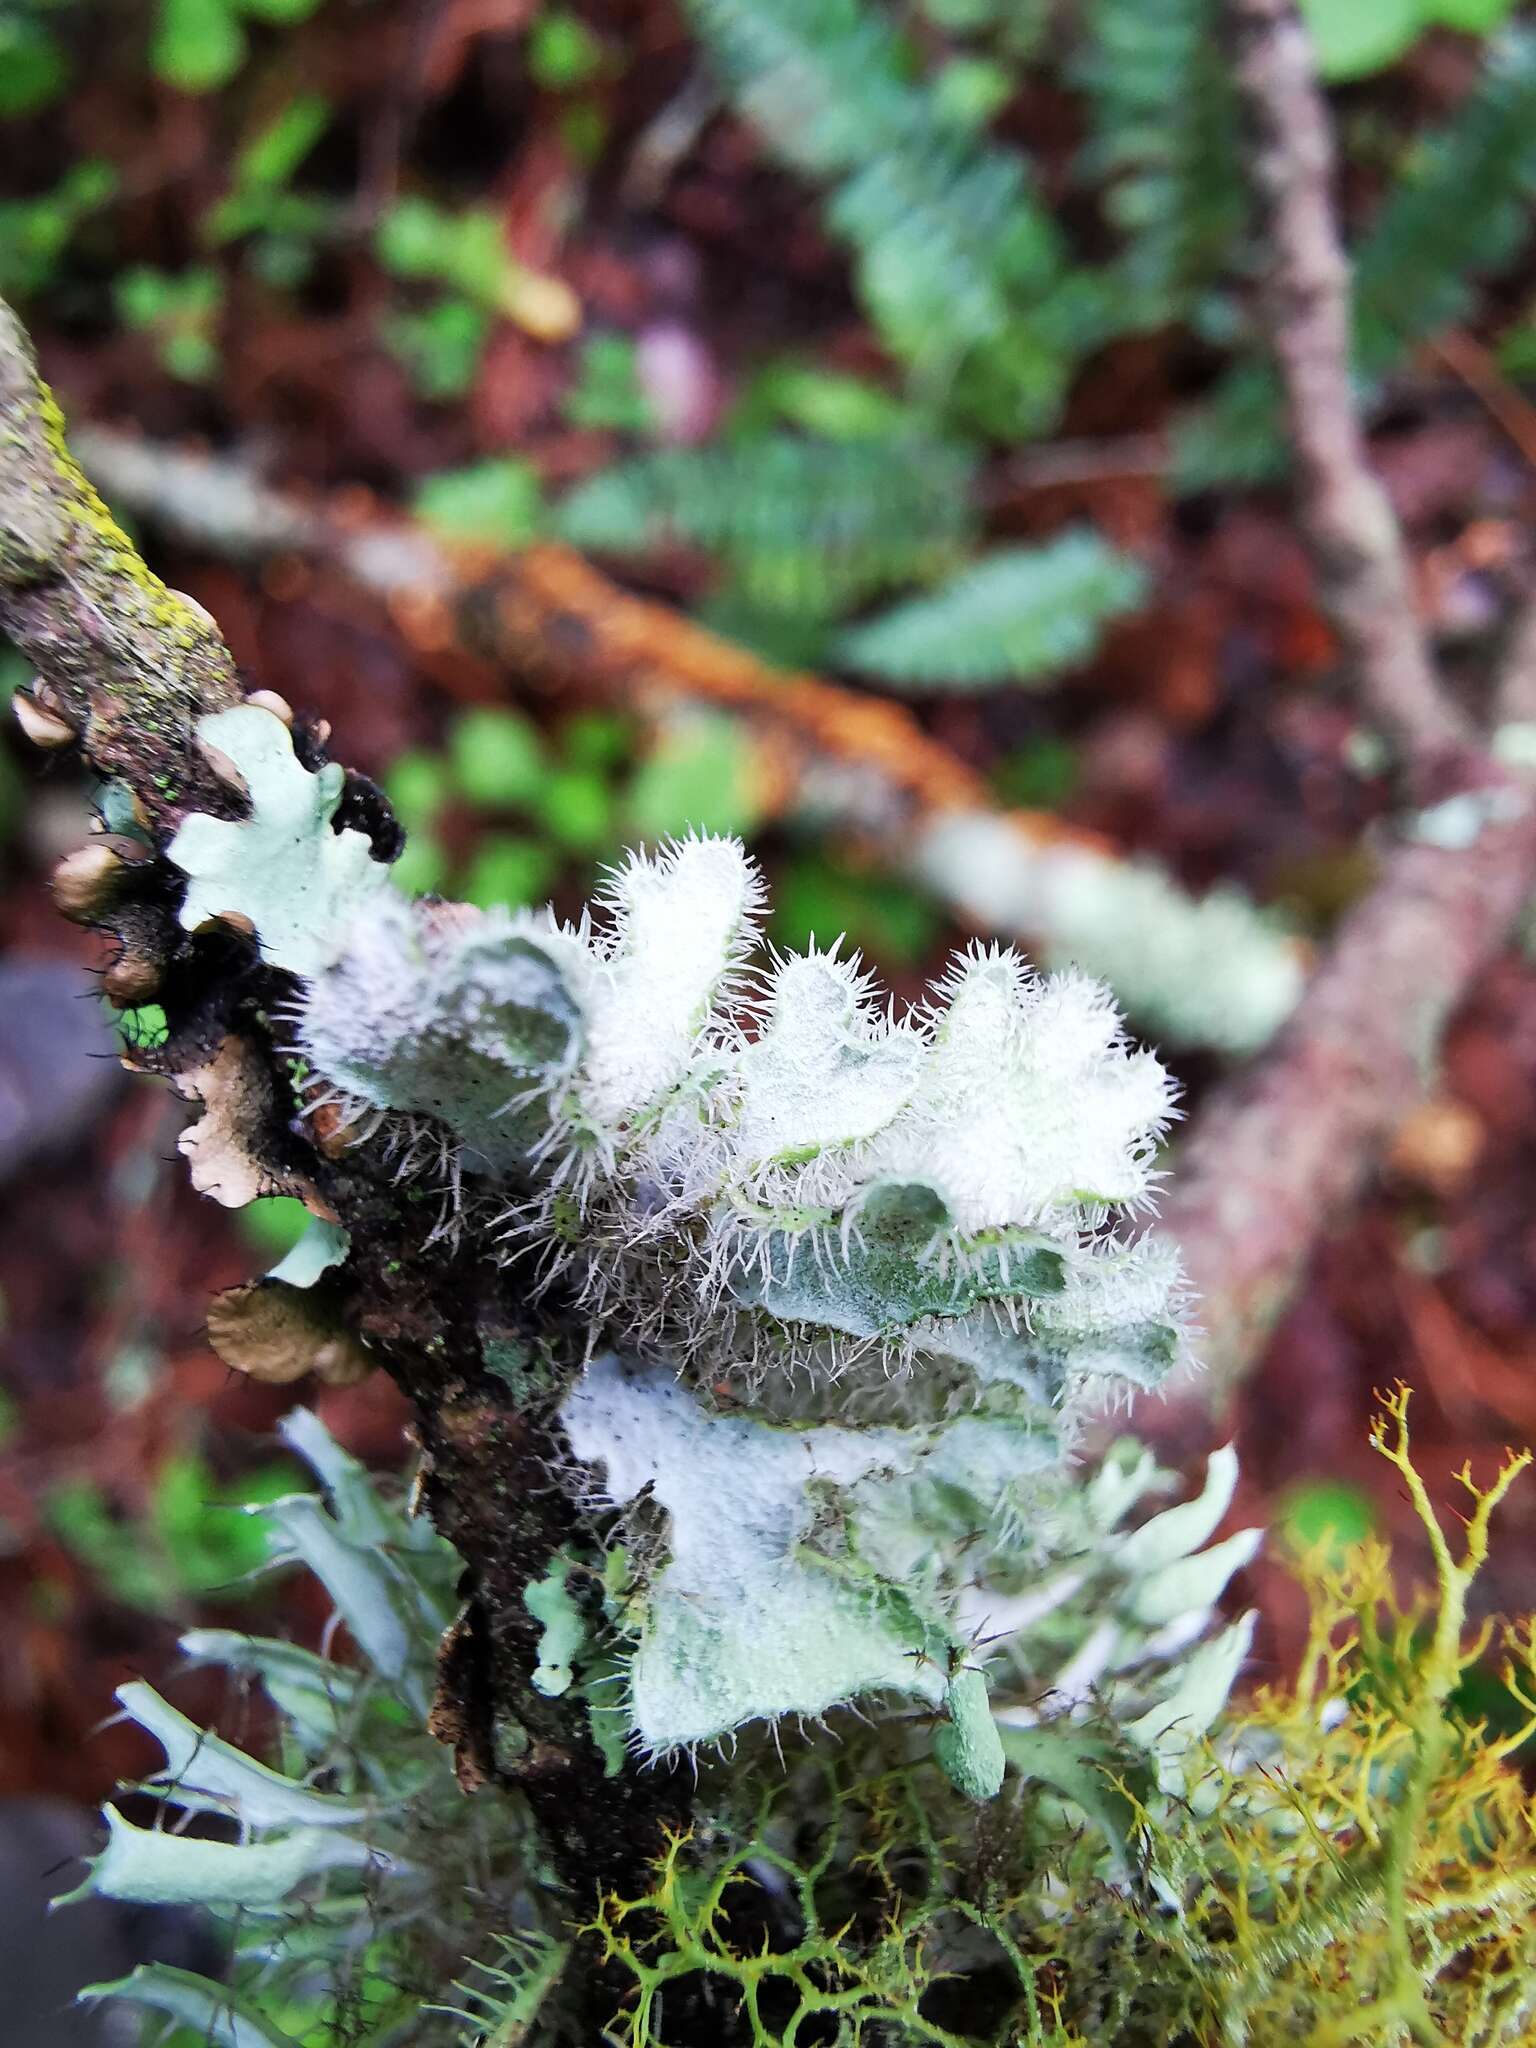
(904, 342)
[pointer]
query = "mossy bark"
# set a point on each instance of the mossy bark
(130, 664)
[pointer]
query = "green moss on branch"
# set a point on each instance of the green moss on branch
(128, 663)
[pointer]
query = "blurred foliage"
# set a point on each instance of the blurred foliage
(821, 491)
(542, 807)
(193, 1541)
(1367, 35)
(496, 502)
(818, 896)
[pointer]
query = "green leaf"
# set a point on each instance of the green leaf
(576, 808)
(806, 526)
(275, 152)
(279, 12)
(1459, 210)
(699, 774)
(274, 1224)
(968, 91)
(1326, 1509)
(439, 346)
(1354, 37)
(35, 233)
(1472, 17)
(209, 1542)
(817, 898)
(596, 739)
(410, 237)
(508, 870)
(563, 53)
(33, 70)
(1020, 615)
(197, 45)
(1040, 775)
(418, 784)
(607, 391)
(829, 404)
(1163, 152)
(497, 502)
(144, 1028)
(496, 758)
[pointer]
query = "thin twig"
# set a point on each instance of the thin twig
(1366, 584)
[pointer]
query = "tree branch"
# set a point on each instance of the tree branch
(1366, 585)
(129, 664)
(1277, 1152)
(1281, 1149)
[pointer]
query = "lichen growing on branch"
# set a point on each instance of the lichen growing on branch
(824, 1290)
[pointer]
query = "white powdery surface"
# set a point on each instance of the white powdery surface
(738, 1627)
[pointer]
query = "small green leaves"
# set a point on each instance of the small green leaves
(299, 882)
(495, 503)
(803, 525)
(198, 44)
(496, 757)
(1368, 35)
(33, 69)
(700, 775)
(1021, 615)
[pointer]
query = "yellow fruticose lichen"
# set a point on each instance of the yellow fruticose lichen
(1354, 1862)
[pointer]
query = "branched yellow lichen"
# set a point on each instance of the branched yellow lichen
(870, 1986)
(1355, 1862)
